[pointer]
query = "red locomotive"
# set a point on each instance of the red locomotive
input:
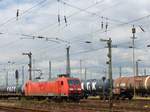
(62, 88)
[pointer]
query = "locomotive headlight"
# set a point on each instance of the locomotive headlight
(79, 89)
(71, 89)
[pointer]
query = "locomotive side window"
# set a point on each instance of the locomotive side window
(62, 83)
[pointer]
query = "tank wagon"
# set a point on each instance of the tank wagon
(140, 83)
(100, 87)
(95, 87)
(60, 88)
(10, 91)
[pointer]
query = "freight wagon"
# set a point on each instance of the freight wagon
(95, 87)
(10, 91)
(101, 88)
(141, 84)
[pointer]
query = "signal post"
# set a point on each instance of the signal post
(109, 62)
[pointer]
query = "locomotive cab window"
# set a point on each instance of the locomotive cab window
(76, 82)
(73, 82)
(70, 82)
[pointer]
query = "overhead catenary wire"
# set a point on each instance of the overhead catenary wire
(77, 13)
(11, 19)
(138, 19)
(86, 51)
(31, 8)
(65, 17)
(58, 16)
(84, 9)
(71, 15)
(18, 10)
(120, 25)
(89, 12)
(78, 53)
(26, 11)
(106, 18)
(123, 24)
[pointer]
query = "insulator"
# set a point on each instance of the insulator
(65, 19)
(106, 26)
(108, 55)
(102, 25)
(17, 14)
(59, 19)
(29, 65)
(133, 30)
(16, 74)
(107, 62)
(103, 78)
(142, 29)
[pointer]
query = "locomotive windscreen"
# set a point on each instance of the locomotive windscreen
(73, 82)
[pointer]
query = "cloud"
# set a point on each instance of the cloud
(82, 26)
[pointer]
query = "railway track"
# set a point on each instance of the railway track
(19, 109)
(88, 105)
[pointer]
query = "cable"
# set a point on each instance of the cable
(26, 11)
(40, 3)
(125, 23)
(80, 52)
(85, 10)
(12, 42)
(73, 14)
(132, 21)
(91, 13)
(138, 20)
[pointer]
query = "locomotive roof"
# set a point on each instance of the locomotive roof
(53, 79)
(93, 80)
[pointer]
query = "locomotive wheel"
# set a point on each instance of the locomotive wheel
(100, 97)
(86, 96)
(122, 97)
(77, 99)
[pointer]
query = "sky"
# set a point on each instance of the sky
(84, 23)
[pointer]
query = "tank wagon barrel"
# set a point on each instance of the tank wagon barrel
(141, 84)
(94, 87)
(10, 89)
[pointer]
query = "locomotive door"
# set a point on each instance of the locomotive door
(59, 87)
